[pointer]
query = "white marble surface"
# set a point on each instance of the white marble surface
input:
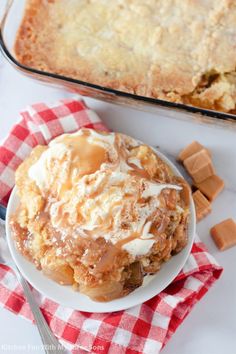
(211, 326)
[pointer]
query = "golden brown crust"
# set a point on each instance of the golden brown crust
(177, 51)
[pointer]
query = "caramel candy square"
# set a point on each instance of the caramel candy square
(191, 149)
(199, 166)
(211, 187)
(202, 205)
(224, 234)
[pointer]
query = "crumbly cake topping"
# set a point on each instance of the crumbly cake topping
(99, 210)
(181, 51)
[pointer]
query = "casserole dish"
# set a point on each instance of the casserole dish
(11, 20)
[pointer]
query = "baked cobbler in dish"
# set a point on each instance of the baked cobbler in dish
(99, 211)
(179, 51)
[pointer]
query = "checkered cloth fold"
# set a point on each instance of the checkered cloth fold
(142, 329)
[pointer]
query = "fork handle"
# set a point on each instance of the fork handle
(51, 344)
(3, 211)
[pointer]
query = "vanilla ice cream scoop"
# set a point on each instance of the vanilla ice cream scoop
(99, 189)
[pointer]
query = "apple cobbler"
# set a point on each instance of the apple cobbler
(178, 51)
(99, 211)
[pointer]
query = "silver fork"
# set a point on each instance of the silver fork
(50, 343)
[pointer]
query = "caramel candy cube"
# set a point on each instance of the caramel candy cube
(224, 234)
(211, 186)
(199, 166)
(202, 205)
(191, 149)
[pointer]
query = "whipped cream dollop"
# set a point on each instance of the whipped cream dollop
(98, 188)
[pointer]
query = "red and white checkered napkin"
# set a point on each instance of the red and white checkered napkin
(142, 329)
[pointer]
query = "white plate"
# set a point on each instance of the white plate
(66, 296)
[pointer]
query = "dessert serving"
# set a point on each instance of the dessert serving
(178, 51)
(99, 211)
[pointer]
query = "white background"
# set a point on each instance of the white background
(211, 326)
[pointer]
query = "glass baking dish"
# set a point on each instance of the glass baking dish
(13, 11)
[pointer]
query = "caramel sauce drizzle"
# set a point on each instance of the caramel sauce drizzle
(132, 237)
(88, 156)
